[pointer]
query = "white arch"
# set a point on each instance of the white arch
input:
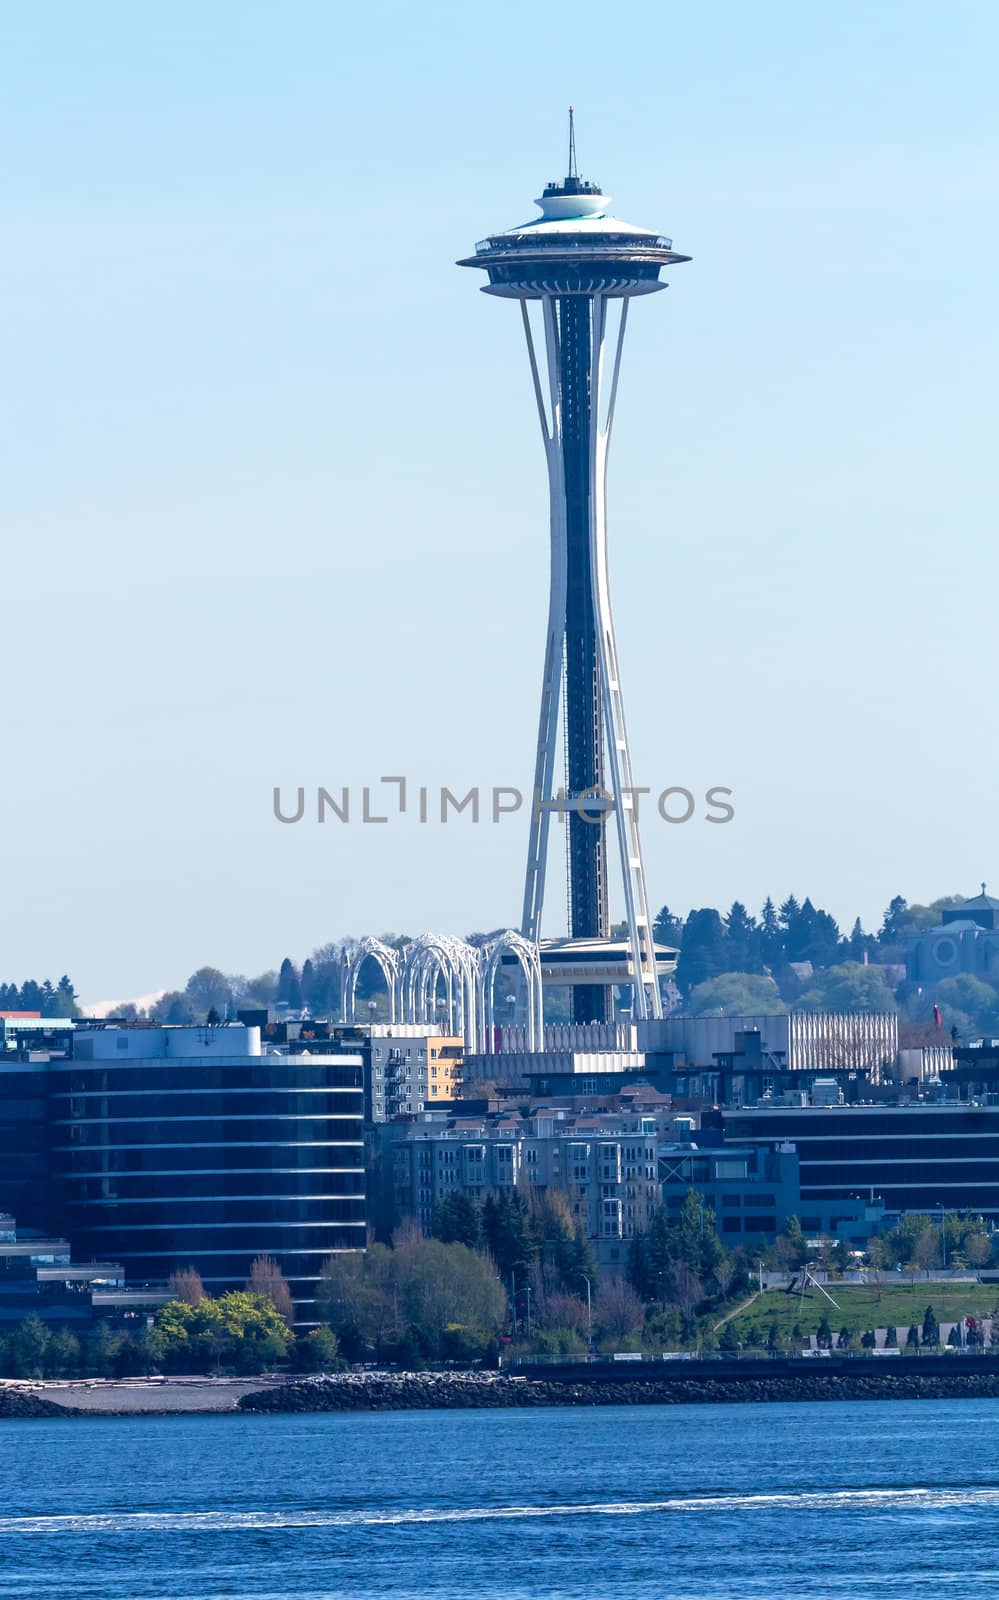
(429, 959)
(350, 967)
(529, 960)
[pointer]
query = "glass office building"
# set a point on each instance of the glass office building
(176, 1147)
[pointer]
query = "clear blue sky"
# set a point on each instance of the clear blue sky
(273, 497)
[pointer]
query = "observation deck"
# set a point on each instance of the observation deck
(576, 247)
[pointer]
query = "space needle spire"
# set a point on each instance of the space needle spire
(584, 266)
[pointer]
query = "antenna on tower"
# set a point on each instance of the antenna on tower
(572, 145)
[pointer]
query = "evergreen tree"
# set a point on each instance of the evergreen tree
(771, 948)
(289, 991)
(893, 924)
(703, 954)
(636, 1270)
(510, 1234)
(742, 937)
(457, 1220)
(667, 929)
(858, 942)
(824, 1334)
(658, 1253)
(66, 998)
(30, 997)
(307, 984)
(931, 1328)
(582, 1263)
(820, 936)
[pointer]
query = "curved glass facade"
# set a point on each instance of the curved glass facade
(208, 1161)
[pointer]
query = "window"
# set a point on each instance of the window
(731, 1224)
(730, 1168)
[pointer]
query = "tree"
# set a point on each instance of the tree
(786, 919)
(743, 940)
(771, 943)
(509, 1232)
(66, 1002)
(667, 929)
(401, 1300)
(637, 1270)
(978, 1249)
(618, 1313)
(260, 991)
(101, 1351)
(208, 990)
(811, 935)
(266, 1278)
(842, 1255)
(736, 994)
(848, 987)
(891, 1337)
(457, 1220)
(967, 999)
(686, 1290)
(173, 1008)
(877, 1261)
(894, 925)
(797, 1249)
(926, 1250)
(580, 1262)
(824, 1334)
(912, 1339)
(931, 1328)
(703, 953)
(62, 1359)
(27, 1349)
(185, 1284)
(289, 990)
(239, 1329)
(319, 1351)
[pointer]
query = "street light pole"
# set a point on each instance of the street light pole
(589, 1315)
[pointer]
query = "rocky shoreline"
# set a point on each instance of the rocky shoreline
(19, 1403)
(482, 1391)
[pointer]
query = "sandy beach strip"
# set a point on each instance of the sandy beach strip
(144, 1395)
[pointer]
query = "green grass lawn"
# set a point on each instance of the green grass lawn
(861, 1306)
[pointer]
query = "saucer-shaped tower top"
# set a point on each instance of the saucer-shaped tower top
(575, 247)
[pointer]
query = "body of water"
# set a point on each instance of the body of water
(731, 1502)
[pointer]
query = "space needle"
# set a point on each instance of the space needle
(584, 266)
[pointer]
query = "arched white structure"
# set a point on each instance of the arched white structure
(432, 959)
(528, 958)
(353, 960)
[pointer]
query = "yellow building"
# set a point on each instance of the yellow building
(445, 1068)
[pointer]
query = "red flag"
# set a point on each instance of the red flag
(937, 1018)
